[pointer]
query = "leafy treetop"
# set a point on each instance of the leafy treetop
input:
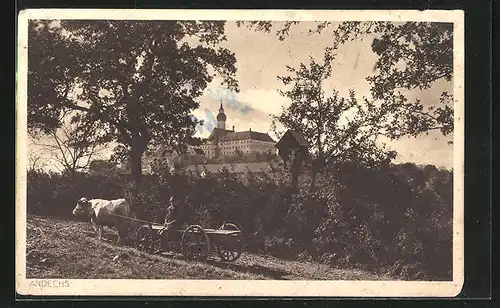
(138, 79)
(411, 55)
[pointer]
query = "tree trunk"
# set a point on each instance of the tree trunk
(315, 168)
(136, 173)
(295, 179)
(136, 167)
(314, 174)
(295, 170)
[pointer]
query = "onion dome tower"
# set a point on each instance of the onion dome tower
(221, 118)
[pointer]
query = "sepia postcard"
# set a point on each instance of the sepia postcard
(281, 153)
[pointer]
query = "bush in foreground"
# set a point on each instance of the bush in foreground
(395, 219)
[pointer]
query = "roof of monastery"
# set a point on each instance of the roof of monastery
(229, 135)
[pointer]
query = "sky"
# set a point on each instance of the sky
(261, 57)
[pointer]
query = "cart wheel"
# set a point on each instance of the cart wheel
(229, 226)
(145, 238)
(195, 243)
(232, 248)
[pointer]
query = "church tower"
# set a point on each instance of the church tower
(221, 118)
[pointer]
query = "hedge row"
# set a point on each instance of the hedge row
(396, 219)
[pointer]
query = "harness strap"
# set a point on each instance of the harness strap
(130, 218)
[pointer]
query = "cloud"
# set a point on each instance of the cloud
(251, 108)
(265, 101)
(229, 99)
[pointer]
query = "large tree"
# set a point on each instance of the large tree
(410, 55)
(52, 69)
(337, 129)
(138, 79)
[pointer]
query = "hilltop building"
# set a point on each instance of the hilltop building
(221, 142)
(227, 142)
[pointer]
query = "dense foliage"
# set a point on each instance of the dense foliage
(410, 55)
(337, 129)
(402, 224)
(137, 81)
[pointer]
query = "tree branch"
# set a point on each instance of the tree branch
(63, 159)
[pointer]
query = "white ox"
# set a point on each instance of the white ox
(110, 213)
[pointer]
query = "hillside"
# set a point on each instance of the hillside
(67, 249)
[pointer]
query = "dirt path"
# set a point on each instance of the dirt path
(68, 249)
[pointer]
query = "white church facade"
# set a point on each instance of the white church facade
(223, 142)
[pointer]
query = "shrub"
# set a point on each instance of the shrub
(56, 194)
(394, 218)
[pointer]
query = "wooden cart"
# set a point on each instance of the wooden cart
(195, 241)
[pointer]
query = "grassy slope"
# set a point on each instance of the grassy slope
(68, 249)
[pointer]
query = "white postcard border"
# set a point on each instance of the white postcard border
(241, 287)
